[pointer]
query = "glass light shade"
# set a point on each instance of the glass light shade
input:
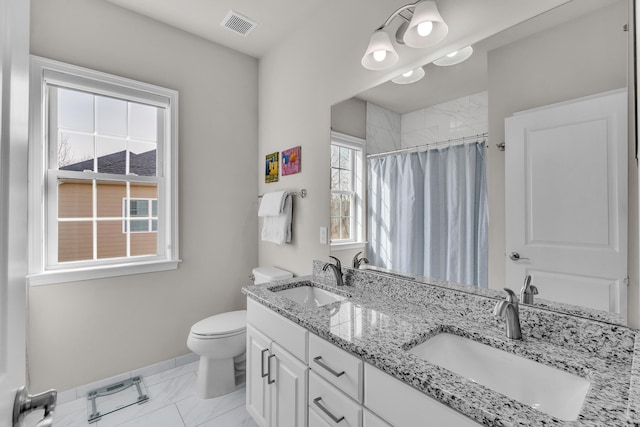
(454, 57)
(373, 58)
(425, 11)
(409, 77)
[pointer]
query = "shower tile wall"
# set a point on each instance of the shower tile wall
(383, 129)
(461, 117)
(465, 116)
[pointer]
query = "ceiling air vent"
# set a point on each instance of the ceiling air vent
(238, 23)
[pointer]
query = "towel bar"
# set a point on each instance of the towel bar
(302, 193)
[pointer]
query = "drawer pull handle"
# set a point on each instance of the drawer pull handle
(269, 380)
(319, 361)
(335, 419)
(262, 372)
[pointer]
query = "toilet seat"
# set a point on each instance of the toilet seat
(221, 325)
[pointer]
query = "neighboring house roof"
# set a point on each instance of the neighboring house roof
(143, 164)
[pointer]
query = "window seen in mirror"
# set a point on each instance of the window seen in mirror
(344, 193)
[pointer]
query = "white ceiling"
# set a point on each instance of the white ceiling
(275, 18)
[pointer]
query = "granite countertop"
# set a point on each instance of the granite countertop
(385, 316)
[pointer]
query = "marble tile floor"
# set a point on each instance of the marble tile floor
(172, 403)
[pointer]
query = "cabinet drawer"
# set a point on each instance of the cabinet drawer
(283, 331)
(325, 399)
(372, 420)
(315, 420)
(335, 365)
(404, 406)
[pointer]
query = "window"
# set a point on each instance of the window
(143, 215)
(104, 163)
(346, 189)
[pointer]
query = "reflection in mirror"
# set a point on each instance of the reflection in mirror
(572, 199)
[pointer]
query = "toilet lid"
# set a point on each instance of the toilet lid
(222, 324)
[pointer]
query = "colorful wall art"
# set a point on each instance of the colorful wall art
(291, 161)
(271, 168)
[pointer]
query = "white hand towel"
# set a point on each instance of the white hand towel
(272, 203)
(277, 228)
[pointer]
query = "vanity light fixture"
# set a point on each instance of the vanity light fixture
(411, 76)
(422, 27)
(454, 57)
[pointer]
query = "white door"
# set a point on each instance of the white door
(257, 368)
(14, 78)
(289, 391)
(566, 201)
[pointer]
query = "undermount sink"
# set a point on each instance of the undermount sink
(549, 390)
(310, 296)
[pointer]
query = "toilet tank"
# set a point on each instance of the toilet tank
(269, 274)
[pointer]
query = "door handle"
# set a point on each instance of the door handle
(324, 409)
(262, 372)
(25, 403)
(269, 380)
(515, 256)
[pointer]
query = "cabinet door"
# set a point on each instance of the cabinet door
(289, 392)
(257, 387)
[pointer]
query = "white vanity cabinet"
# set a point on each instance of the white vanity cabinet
(296, 379)
(277, 373)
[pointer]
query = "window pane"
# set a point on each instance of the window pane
(144, 191)
(112, 156)
(139, 225)
(345, 228)
(154, 208)
(143, 121)
(110, 196)
(154, 225)
(75, 241)
(75, 152)
(335, 179)
(345, 158)
(335, 205)
(139, 208)
(345, 180)
(75, 110)
(111, 116)
(142, 158)
(75, 198)
(335, 228)
(144, 244)
(345, 205)
(335, 156)
(112, 242)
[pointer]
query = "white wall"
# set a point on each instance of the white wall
(318, 66)
(85, 331)
(350, 117)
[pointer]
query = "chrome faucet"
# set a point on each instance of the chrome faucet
(337, 270)
(359, 261)
(528, 291)
(508, 309)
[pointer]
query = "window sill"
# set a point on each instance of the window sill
(100, 272)
(347, 245)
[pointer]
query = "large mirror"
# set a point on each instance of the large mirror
(569, 60)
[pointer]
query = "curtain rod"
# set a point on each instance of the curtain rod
(448, 142)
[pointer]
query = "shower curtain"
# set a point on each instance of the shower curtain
(428, 213)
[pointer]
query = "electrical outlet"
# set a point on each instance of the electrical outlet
(323, 235)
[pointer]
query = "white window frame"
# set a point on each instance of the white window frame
(358, 201)
(43, 178)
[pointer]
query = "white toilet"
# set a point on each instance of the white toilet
(220, 341)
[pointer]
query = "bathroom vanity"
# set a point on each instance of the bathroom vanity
(383, 351)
